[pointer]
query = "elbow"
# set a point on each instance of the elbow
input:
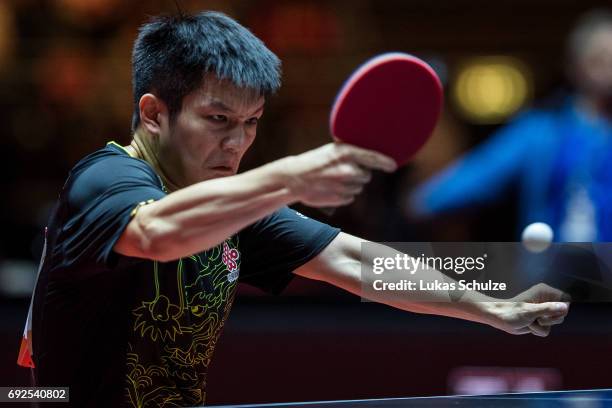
(158, 240)
(164, 239)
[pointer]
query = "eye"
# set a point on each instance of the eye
(217, 118)
(252, 121)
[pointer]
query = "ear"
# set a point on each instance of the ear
(153, 113)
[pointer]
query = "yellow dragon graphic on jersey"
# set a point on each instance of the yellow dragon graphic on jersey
(174, 333)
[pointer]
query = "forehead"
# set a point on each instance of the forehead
(215, 91)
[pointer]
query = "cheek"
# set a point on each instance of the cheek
(247, 142)
(251, 137)
(195, 141)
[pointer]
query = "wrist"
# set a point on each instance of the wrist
(495, 313)
(281, 173)
(482, 308)
(282, 178)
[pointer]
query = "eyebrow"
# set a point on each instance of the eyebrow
(221, 106)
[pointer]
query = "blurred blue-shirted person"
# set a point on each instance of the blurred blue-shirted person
(560, 158)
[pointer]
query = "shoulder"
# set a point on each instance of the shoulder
(106, 169)
(111, 161)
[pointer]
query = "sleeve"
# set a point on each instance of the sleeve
(100, 201)
(273, 247)
(482, 174)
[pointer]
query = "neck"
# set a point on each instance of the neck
(146, 147)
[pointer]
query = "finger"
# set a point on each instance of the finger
(346, 188)
(522, 330)
(371, 159)
(539, 330)
(359, 174)
(352, 188)
(550, 320)
(352, 173)
(535, 310)
(364, 175)
(345, 199)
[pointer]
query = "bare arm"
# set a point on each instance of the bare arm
(201, 216)
(341, 262)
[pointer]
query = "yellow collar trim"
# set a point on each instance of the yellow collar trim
(112, 142)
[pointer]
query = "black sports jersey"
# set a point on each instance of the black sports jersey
(124, 331)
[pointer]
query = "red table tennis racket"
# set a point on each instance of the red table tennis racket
(390, 104)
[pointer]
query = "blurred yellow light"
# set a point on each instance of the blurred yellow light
(489, 89)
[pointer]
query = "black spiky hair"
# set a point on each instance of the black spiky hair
(172, 54)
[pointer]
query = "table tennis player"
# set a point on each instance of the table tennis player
(147, 242)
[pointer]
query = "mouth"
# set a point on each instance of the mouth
(223, 169)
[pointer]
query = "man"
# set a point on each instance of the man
(559, 157)
(147, 242)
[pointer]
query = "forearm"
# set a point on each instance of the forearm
(468, 305)
(203, 215)
(345, 265)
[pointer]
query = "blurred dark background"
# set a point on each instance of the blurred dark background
(65, 91)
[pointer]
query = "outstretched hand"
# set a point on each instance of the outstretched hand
(533, 311)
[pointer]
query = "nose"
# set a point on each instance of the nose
(234, 140)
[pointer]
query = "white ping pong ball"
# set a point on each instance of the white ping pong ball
(537, 237)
